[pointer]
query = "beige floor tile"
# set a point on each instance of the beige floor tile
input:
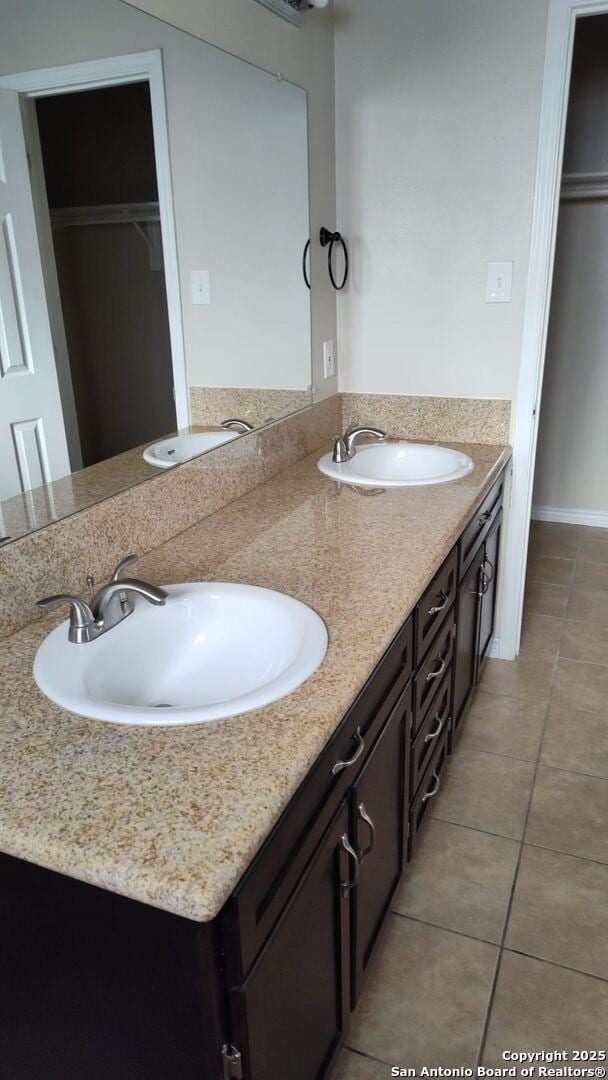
(425, 998)
(460, 879)
(352, 1066)
(577, 741)
(594, 545)
(581, 641)
(526, 677)
(485, 792)
(591, 575)
(554, 539)
(560, 911)
(546, 599)
(551, 570)
(542, 1007)
(504, 725)
(581, 686)
(588, 605)
(569, 813)
(540, 634)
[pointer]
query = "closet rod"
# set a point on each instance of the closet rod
(115, 214)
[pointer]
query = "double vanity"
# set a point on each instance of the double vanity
(202, 900)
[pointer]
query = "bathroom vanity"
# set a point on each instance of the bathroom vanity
(227, 935)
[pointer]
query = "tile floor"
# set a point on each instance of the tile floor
(498, 937)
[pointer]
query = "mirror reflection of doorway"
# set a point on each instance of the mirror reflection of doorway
(97, 151)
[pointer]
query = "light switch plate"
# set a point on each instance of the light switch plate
(200, 286)
(499, 282)
(329, 359)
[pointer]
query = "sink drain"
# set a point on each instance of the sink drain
(163, 705)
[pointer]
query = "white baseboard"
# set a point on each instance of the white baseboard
(494, 648)
(570, 516)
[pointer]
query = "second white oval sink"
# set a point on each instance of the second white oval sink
(182, 448)
(398, 464)
(213, 650)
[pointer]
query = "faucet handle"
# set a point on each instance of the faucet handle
(128, 560)
(81, 616)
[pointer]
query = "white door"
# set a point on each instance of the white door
(33, 448)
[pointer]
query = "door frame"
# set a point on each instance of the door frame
(561, 27)
(114, 71)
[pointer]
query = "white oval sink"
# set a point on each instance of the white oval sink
(213, 650)
(181, 448)
(398, 464)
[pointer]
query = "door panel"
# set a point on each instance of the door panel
(489, 588)
(290, 1014)
(33, 446)
(378, 805)
(467, 636)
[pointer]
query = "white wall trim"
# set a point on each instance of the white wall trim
(494, 650)
(116, 70)
(569, 516)
(552, 124)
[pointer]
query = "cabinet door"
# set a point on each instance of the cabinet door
(467, 635)
(489, 588)
(379, 810)
(290, 1014)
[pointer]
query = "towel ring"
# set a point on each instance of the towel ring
(328, 238)
(304, 267)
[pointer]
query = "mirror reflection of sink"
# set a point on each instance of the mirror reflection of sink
(398, 464)
(181, 448)
(213, 650)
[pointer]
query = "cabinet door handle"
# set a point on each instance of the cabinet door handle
(346, 886)
(431, 794)
(485, 517)
(357, 754)
(444, 599)
(488, 562)
(440, 670)
(363, 814)
(435, 734)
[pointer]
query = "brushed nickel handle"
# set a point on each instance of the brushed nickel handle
(488, 562)
(346, 886)
(363, 814)
(440, 670)
(431, 794)
(444, 597)
(435, 734)
(485, 517)
(129, 560)
(357, 754)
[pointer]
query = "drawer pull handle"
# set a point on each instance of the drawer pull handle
(363, 814)
(357, 754)
(431, 794)
(485, 517)
(444, 599)
(440, 670)
(346, 886)
(488, 562)
(435, 734)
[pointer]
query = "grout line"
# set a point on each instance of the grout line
(554, 963)
(573, 772)
(495, 753)
(502, 836)
(368, 1057)
(447, 929)
(569, 854)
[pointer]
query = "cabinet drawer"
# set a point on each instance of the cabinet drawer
(427, 791)
(431, 672)
(432, 728)
(435, 604)
(261, 895)
(480, 525)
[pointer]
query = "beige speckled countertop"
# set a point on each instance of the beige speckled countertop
(173, 817)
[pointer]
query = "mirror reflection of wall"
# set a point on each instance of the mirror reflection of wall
(151, 257)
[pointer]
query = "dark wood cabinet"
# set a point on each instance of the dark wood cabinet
(489, 589)
(467, 636)
(378, 807)
(291, 1013)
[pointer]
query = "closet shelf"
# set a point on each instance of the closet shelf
(115, 214)
(584, 186)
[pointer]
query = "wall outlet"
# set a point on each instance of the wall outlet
(200, 286)
(499, 282)
(329, 359)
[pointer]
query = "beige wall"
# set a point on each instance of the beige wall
(304, 56)
(437, 107)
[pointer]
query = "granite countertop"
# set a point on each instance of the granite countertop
(172, 817)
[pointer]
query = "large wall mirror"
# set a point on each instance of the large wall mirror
(153, 219)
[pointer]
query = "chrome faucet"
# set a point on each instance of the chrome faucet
(344, 445)
(108, 607)
(238, 425)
